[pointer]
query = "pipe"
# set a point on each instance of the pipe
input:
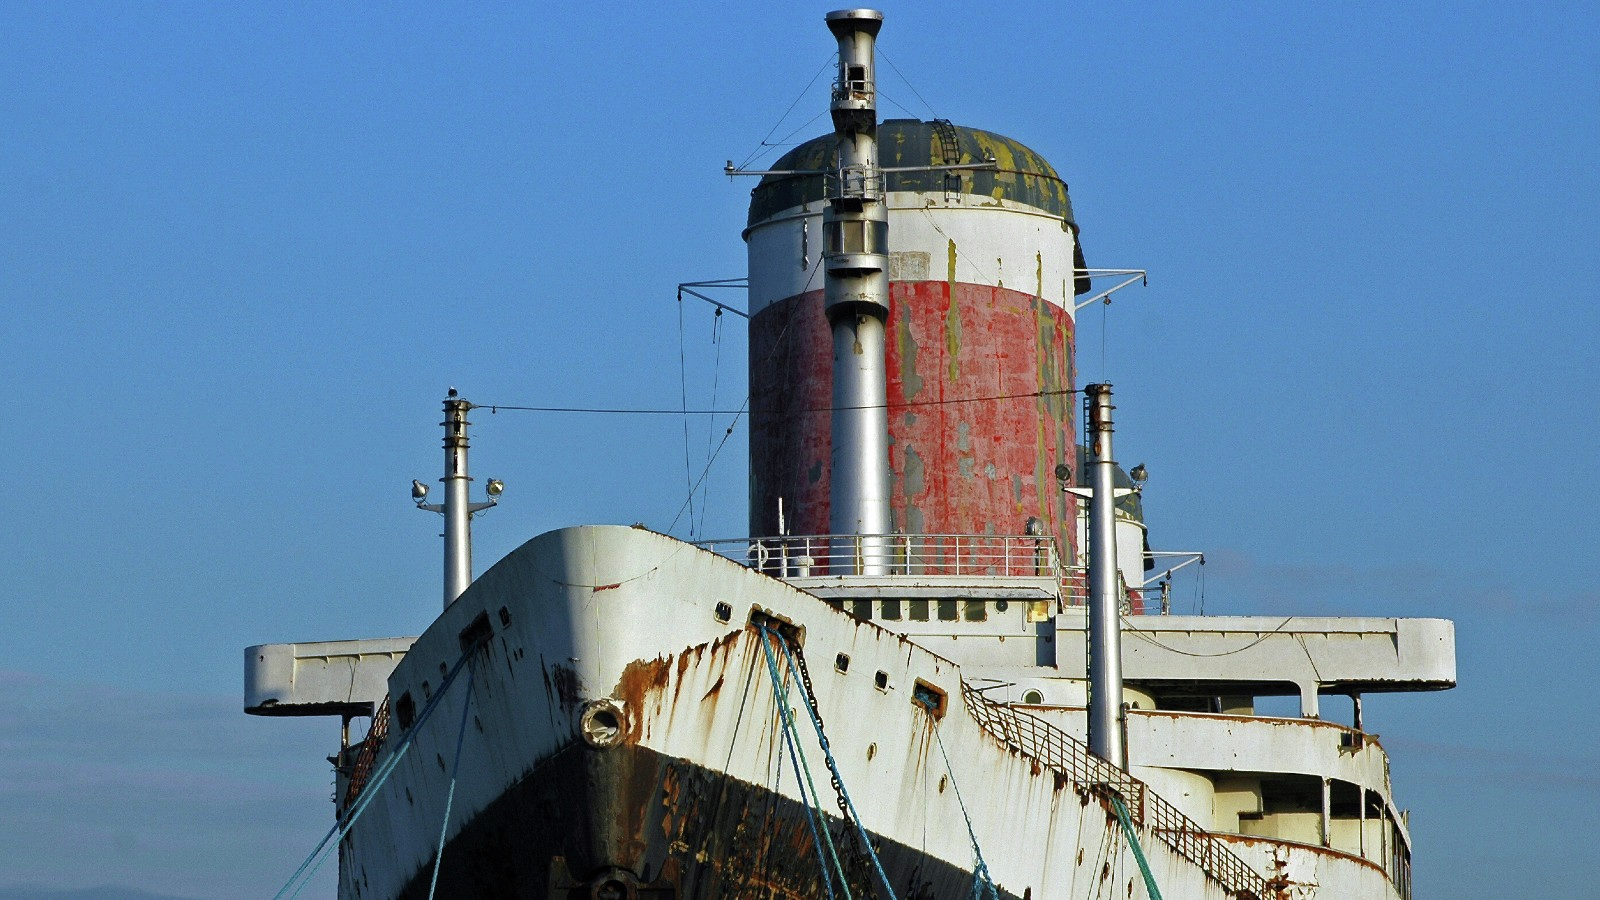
(856, 302)
(1107, 717)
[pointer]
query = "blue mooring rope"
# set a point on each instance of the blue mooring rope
(833, 767)
(455, 769)
(792, 744)
(343, 826)
(1138, 852)
(981, 878)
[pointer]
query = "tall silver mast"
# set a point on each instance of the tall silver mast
(457, 507)
(1107, 719)
(856, 298)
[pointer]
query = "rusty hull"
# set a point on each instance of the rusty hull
(660, 828)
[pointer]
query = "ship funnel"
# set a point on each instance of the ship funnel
(457, 507)
(855, 226)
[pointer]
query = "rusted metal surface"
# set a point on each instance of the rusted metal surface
(957, 464)
(663, 828)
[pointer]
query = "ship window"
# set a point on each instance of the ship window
(861, 609)
(1032, 697)
(947, 610)
(881, 680)
(891, 610)
(1038, 610)
(841, 662)
(850, 236)
(976, 611)
(724, 612)
(505, 617)
(855, 236)
(405, 712)
(917, 610)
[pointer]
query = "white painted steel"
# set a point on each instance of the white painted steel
(600, 598)
(999, 243)
(320, 678)
(1332, 655)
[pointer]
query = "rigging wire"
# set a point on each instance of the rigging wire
(637, 411)
(683, 391)
(913, 87)
(716, 378)
(829, 61)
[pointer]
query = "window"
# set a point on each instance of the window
(947, 610)
(891, 610)
(917, 610)
(1032, 697)
(976, 611)
(861, 609)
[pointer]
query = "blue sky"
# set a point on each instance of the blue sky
(244, 251)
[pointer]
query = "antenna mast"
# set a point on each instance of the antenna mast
(457, 507)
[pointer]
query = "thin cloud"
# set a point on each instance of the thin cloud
(183, 794)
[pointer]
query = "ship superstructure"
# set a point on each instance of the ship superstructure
(946, 666)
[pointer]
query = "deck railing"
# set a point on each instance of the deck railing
(901, 556)
(368, 754)
(1038, 740)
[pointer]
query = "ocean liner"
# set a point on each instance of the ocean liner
(946, 666)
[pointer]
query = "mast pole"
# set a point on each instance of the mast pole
(457, 507)
(457, 515)
(1107, 717)
(856, 301)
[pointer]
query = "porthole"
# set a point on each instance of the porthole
(724, 612)
(1032, 697)
(841, 662)
(881, 680)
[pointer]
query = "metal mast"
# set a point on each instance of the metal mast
(856, 299)
(1107, 718)
(457, 507)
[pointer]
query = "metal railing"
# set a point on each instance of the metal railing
(362, 770)
(802, 556)
(1038, 740)
(908, 556)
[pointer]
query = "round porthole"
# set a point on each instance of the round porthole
(1032, 697)
(604, 723)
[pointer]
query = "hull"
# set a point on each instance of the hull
(693, 793)
(676, 829)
